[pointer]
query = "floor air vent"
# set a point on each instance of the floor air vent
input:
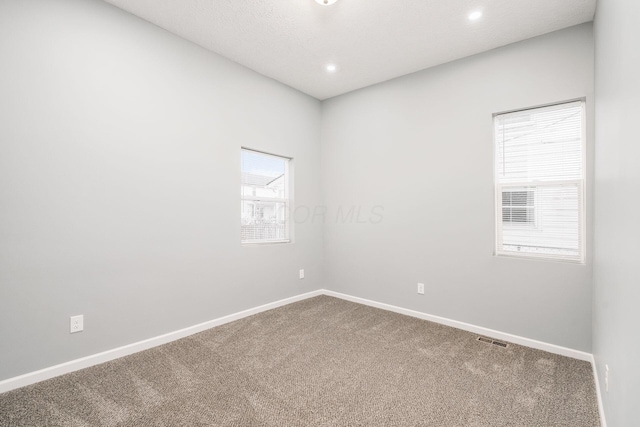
(491, 341)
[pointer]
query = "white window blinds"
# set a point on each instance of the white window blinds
(264, 195)
(540, 182)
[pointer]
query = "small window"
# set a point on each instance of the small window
(518, 207)
(539, 179)
(265, 195)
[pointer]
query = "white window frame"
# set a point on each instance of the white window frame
(287, 200)
(580, 183)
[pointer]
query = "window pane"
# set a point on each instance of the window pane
(506, 198)
(506, 214)
(264, 197)
(543, 144)
(263, 175)
(518, 215)
(263, 221)
(557, 227)
(520, 198)
(519, 206)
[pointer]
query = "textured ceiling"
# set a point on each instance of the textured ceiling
(369, 40)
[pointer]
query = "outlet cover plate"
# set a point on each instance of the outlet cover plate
(76, 324)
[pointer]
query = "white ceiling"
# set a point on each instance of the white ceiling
(369, 40)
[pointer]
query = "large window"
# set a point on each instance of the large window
(539, 175)
(264, 194)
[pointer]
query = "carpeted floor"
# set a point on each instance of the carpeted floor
(318, 362)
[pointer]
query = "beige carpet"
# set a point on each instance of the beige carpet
(319, 362)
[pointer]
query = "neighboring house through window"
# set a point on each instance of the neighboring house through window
(518, 207)
(265, 195)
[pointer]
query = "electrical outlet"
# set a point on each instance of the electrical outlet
(302, 273)
(76, 324)
(421, 288)
(606, 378)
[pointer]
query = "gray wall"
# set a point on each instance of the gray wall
(420, 149)
(617, 187)
(119, 182)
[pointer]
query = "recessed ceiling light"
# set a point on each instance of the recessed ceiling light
(326, 2)
(331, 68)
(475, 15)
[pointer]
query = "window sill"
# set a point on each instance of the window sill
(534, 257)
(266, 242)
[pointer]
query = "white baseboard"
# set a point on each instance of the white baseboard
(95, 359)
(603, 421)
(503, 336)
